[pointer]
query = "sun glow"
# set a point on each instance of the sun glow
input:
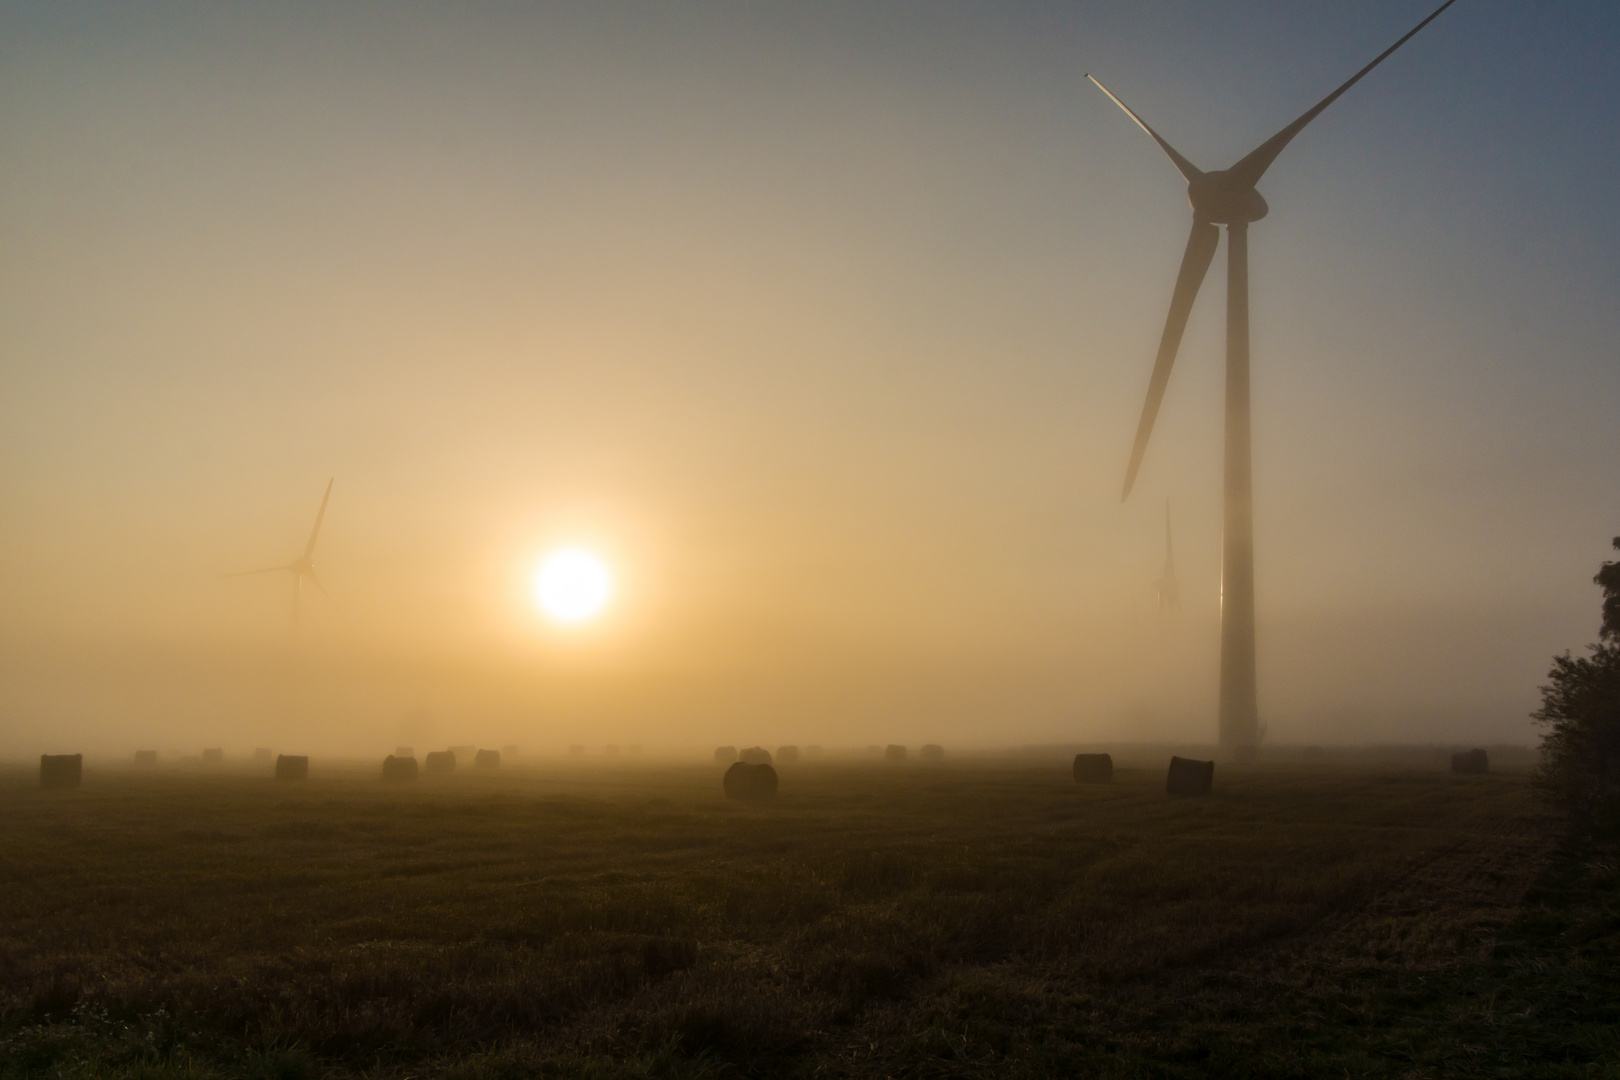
(573, 585)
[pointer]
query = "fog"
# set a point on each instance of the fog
(827, 328)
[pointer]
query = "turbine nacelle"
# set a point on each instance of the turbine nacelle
(1222, 199)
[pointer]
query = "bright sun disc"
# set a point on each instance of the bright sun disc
(573, 585)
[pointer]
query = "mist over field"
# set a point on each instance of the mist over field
(827, 329)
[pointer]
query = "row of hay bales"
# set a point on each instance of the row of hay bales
(750, 776)
(401, 764)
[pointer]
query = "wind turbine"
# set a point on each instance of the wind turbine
(1228, 197)
(303, 567)
(1168, 590)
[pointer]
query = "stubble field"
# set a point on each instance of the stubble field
(984, 919)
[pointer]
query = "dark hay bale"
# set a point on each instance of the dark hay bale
(1094, 768)
(486, 759)
(440, 762)
(1474, 762)
(725, 755)
(60, 770)
(932, 752)
(755, 755)
(751, 782)
(787, 755)
(399, 768)
(289, 767)
(1189, 777)
(894, 754)
(146, 758)
(262, 754)
(213, 756)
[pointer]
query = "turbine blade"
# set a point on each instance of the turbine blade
(317, 583)
(1253, 167)
(266, 570)
(309, 548)
(1194, 265)
(1188, 170)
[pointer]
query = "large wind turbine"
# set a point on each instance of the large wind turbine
(1228, 197)
(303, 567)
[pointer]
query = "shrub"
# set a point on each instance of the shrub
(1580, 705)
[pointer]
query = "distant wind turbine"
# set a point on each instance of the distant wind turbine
(301, 568)
(1166, 587)
(1228, 197)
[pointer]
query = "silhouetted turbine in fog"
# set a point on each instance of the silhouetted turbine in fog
(1228, 197)
(301, 567)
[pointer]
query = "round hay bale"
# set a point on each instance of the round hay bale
(725, 755)
(487, 759)
(399, 768)
(1473, 762)
(1093, 768)
(1189, 777)
(787, 755)
(932, 752)
(752, 783)
(289, 767)
(61, 770)
(755, 755)
(439, 762)
(146, 758)
(894, 754)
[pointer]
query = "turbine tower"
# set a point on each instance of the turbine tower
(1228, 197)
(1167, 588)
(303, 567)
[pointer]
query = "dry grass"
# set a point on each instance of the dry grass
(948, 920)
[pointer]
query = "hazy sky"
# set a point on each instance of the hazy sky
(828, 326)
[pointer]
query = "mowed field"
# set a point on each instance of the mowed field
(973, 919)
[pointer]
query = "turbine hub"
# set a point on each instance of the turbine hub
(1222, 201)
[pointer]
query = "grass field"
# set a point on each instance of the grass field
(985, 920)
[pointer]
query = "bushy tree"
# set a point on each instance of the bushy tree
(1580, 706)
(1609, 578)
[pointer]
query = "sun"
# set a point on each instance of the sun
(573, 585)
